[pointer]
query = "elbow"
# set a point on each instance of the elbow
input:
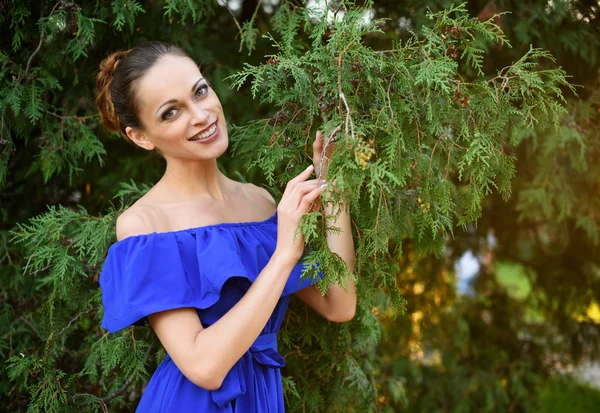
(212, 384)
(343, 308)
(342, 315)
(206, 377)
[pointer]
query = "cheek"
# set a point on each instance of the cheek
(174, 130)
(216, 103)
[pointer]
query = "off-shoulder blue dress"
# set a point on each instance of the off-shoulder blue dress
(208, 268)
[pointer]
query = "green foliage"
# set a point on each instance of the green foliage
(125, 12)
(188, 9)
(567, 394)
(435, 126)
(19, 13)
(409, 114)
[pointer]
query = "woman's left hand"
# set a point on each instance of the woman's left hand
(320, 161)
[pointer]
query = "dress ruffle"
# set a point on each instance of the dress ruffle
(145, 274)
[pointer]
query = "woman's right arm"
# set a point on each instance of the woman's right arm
(205, 355)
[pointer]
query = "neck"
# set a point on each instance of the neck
(186, 180)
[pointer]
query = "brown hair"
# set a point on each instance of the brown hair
(116, 100)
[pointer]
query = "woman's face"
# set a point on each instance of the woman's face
(181, 115)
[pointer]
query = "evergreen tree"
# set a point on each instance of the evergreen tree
(492, 352)
(430, 138)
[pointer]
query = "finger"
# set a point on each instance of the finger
(316, 205)
(317, 149)
(301, 189)
(302, 185)
(318, 143)
(310, 183)
(304, 188)
(302, 176)
(308, 199)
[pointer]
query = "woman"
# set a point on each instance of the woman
(209, 262)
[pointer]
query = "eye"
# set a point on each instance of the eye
(169, 114)
(201, 91)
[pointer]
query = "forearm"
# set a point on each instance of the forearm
(341, 242)
(341, 298)
(219, 346)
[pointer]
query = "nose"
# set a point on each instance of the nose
(199, 114)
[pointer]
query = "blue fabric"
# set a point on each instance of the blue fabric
(208, 268)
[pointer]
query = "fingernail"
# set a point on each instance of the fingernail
(323, 186)
(310, 166)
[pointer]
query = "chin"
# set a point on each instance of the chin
(223, 145)
(218, 147)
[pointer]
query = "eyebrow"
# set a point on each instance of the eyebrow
(175, 100)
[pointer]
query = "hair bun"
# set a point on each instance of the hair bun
(104, 102)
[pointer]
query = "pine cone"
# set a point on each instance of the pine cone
(457, 32)
(465, 101)
(458, 96)
(72, 23)
(70, 6)
(326, 107)
(452, 51)
(363, 152)
(279, 117)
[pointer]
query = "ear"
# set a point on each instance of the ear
(138, 137)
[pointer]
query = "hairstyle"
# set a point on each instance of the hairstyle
(116, 83)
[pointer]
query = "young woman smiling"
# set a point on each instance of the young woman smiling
(211, 263)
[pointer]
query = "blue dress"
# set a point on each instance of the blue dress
(208, 268)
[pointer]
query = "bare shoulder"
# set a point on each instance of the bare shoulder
(139, 219)
(262, 196)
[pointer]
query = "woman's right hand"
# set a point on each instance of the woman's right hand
(296, 201)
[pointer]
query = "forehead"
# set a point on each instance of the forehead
(169, 77)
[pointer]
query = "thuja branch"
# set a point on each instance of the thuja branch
(326, 144)
(39, 46)
(117, 392)
(428, 99)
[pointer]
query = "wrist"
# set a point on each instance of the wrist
(284, 259)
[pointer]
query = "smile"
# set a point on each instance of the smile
(205, 134)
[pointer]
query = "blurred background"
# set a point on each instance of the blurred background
(507, 321)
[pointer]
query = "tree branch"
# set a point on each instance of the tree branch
(32, 327)
(324, 151)
(75, 319)
(39, 44)
(235, 20)
(117, 392)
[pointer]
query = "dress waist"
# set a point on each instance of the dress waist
(262, 352)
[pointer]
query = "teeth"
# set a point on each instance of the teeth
(206, 134)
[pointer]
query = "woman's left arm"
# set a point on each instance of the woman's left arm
(339, 303)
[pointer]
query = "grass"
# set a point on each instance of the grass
(564, 394)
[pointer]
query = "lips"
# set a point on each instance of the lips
(204, 134)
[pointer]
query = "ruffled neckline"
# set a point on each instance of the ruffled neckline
(148, 273)
(242, 224)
